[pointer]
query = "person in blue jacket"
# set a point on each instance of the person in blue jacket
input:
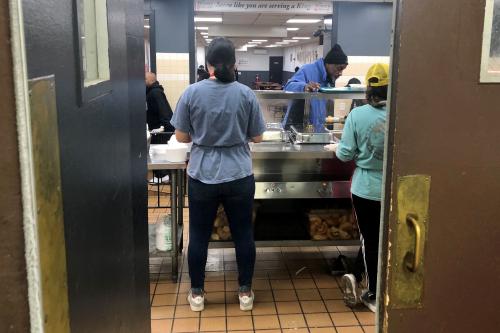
(311, 77)
(363, 142)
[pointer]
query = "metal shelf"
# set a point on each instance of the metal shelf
(288, 243)
(280, 94)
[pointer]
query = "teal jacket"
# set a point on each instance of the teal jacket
(363, 141)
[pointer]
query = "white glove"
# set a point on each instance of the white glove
(158, 130)
(332, 147)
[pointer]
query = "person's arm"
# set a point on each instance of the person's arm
(164, 110)
(256, 125)
(257, 139)
(347, 148)
(181, 120)
(299, 83)
(182, 136)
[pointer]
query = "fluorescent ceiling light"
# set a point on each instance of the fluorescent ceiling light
(271, 46)
(282, 43)
(254, 42)
(292, 29)
(201, 28)
(147, 26)
(327, 21)
(290, 40)
(259, 40)
(303, 21)
(301, 38)
(207, 19)
(204, 33)
(208, 40)
(250, 45)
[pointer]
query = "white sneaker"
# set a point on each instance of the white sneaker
(156, 180)
(246, 302)
(350, 289)
(197, 303)
(370, 301)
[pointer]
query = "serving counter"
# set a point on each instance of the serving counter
(302, 195)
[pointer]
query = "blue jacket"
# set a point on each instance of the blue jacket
(315, 72)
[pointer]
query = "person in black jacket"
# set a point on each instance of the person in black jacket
(202, 74)
(158, 115)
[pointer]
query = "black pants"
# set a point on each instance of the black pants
(237, 199)
(368, 216)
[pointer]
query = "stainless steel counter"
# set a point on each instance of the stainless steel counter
(288, 151)
(280, 94)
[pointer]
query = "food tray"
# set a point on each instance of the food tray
(332, 224)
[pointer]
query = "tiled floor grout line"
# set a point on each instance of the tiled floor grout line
(324, 303)
(269, 270)
(272, 294)
(296, 294)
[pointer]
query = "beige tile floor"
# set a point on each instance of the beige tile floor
(286, 302)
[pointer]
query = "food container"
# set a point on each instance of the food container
(173, 141)
(305, 135)
(332, 224)
(170, 152)
(220, 229)
(176, 153)
(158, 150)
(274, 136)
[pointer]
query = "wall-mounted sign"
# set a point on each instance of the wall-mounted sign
(242, 62)
(245, 6)
(490, 62)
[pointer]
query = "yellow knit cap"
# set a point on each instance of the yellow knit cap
(380, 72)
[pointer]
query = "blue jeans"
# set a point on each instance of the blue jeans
(204, 199)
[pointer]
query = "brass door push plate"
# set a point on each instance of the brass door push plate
(406, 281)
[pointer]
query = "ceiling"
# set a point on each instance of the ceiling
(257, 19)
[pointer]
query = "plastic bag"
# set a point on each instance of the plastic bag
(152, 237)
(164, 234)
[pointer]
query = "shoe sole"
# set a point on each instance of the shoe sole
(370, 306)
(349, 291)
(246, 307)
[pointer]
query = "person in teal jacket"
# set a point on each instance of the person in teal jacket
(363, 142)
(309, 78)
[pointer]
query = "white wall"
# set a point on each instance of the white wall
(301, 54)
(200, 56)
(248, 61)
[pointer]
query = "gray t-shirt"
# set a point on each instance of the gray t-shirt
(221, 118)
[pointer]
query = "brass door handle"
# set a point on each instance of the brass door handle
(413, 265)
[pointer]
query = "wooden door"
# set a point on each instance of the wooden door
(443, 126)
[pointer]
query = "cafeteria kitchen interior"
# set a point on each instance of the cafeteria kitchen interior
(178, 166)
